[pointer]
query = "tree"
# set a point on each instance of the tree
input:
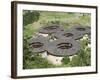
(83, 57)
(30, 16)
(65, 60)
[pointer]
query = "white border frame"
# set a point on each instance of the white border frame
(49, 71)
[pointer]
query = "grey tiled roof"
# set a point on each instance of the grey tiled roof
(51, 29)
(72, 34)
(63, 47)
(82, 29)
(38, 44)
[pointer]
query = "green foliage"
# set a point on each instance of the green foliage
(84, 43)
(38, 62)
(30, 16)
(76, 61)
(65, 60)
(83, 57)
(26, 52)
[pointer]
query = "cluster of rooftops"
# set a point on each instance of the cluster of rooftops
(64, 42)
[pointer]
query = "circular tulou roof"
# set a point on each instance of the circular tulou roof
(82, 30)
(63, 47)
(51, 29)
(69, 34)
(38, 44)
